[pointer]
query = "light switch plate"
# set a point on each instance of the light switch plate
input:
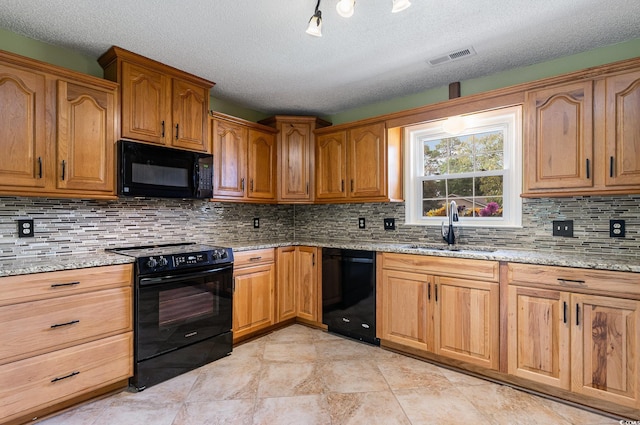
(389, 224)
(563, 228)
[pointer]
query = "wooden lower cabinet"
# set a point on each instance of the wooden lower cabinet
(308, 299)
(448, 316)
(467, 321)
(298, 284)
(254, 297)
(68, 334)
(582, 343)
(286, 304)
(39, 382)
(407, 309)
(604, 342)
(539, 336)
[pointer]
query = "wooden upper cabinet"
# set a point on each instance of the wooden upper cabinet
(583, 138)
(559, 137)
(296, 156)
(367, 161)
(22, 127)
(244, 155)
(190, 108)
(86, 134)
(145, 99)
(230, 156)
(622, 134)
(351, 164)
(57, 129)
(261, 165)
(160, 104)
(331, 165)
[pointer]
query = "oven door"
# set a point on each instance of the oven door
(176, 310)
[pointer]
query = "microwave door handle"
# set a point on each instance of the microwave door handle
(196, 178)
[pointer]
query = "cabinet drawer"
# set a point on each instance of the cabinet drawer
(45, 380)
(39, 326)
(30, 287)
(251, 258)
(567, 278)
(443, 266)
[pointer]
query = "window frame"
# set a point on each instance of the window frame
(508, 119)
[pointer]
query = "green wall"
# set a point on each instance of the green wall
(70, 59)
(626, 50)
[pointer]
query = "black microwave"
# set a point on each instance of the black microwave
(155, 171)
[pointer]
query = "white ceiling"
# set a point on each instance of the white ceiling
(258, 54)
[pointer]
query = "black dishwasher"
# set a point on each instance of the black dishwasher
(349, 293)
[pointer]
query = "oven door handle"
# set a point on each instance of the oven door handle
(146, 281)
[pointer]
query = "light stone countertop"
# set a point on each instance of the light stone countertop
(628, 263)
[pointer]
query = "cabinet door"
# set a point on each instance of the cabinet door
(307, 293)
(558, 148)
(605, 348)
(331, 170)
(190, 106)
(253, 300)
(286, 277)
(22, 127)
(622, 135)
(539, 341)
(86, 138)
(146, 104)
(261, 166)
(230, 158)
(367, 161)
(467, 321)
(407, 313)
(295, 166)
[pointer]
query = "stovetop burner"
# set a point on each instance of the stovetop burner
(174, 256)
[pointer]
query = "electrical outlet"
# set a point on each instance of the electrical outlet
(25, 228)
(362, 223)
(256, 223)
(389, 224)
(616, 228)
(563, 228)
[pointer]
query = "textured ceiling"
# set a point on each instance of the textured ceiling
(258, 54)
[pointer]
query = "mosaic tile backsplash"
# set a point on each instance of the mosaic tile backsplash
(70, 226)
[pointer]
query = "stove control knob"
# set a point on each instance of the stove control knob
(152, 263)
(219, 254)
(162, 262)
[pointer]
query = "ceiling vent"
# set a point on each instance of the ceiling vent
(453, 56)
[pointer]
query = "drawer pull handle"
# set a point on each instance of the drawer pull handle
(571, 281)
(66, 376)
(60, 285)
(59, 325)
(255, 258)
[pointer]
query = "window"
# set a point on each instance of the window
(478, 165)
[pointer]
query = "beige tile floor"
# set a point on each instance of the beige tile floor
(304, 376)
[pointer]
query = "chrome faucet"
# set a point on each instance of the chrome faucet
(449, 236)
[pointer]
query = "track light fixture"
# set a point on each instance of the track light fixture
(315, 23)
(345, 9)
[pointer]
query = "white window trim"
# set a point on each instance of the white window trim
(510, 120)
